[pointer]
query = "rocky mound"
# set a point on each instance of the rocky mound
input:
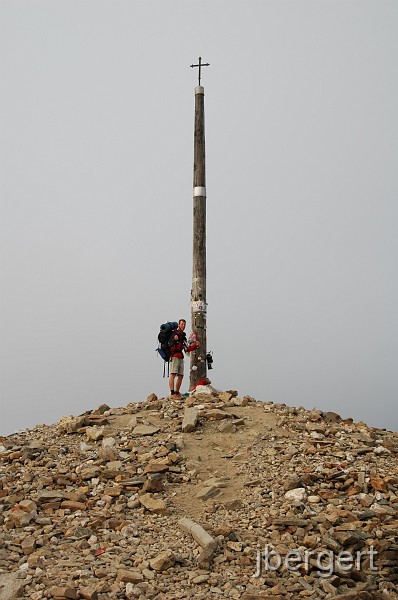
(209, 496)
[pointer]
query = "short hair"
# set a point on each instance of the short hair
(183, 320)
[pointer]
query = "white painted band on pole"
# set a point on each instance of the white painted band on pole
(199, 191)
(199, 89)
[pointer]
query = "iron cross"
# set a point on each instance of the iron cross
(200, 65)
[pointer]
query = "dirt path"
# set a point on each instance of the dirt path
(208, 454)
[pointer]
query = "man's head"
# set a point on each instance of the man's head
(181, 324)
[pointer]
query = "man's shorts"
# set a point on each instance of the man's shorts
(177, 366)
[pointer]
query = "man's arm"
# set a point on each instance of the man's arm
(173, 339)
(192, 347)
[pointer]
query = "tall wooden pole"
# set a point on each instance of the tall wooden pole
(198, 293)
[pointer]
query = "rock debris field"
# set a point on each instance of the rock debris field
(208, 496)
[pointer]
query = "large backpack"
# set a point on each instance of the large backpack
(166, 329)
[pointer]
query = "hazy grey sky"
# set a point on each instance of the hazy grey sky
(96, 159)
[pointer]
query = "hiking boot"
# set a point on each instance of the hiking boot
(177, 395)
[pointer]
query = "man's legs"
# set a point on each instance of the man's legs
(178, 384)
(172, 378)
(177, 374)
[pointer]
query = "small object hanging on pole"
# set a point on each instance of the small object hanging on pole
(200, 65)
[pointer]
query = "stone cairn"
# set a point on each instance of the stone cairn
(207, 496)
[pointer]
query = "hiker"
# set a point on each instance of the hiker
(178, 345)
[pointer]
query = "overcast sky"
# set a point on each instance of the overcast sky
(96, 153)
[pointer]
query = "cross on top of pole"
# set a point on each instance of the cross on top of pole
(200, 65)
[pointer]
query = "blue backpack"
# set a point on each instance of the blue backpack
(164, 335)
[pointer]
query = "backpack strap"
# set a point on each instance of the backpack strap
(164, 368)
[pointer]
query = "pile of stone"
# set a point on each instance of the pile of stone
(208, 496)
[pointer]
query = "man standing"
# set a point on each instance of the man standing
(178, 344)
